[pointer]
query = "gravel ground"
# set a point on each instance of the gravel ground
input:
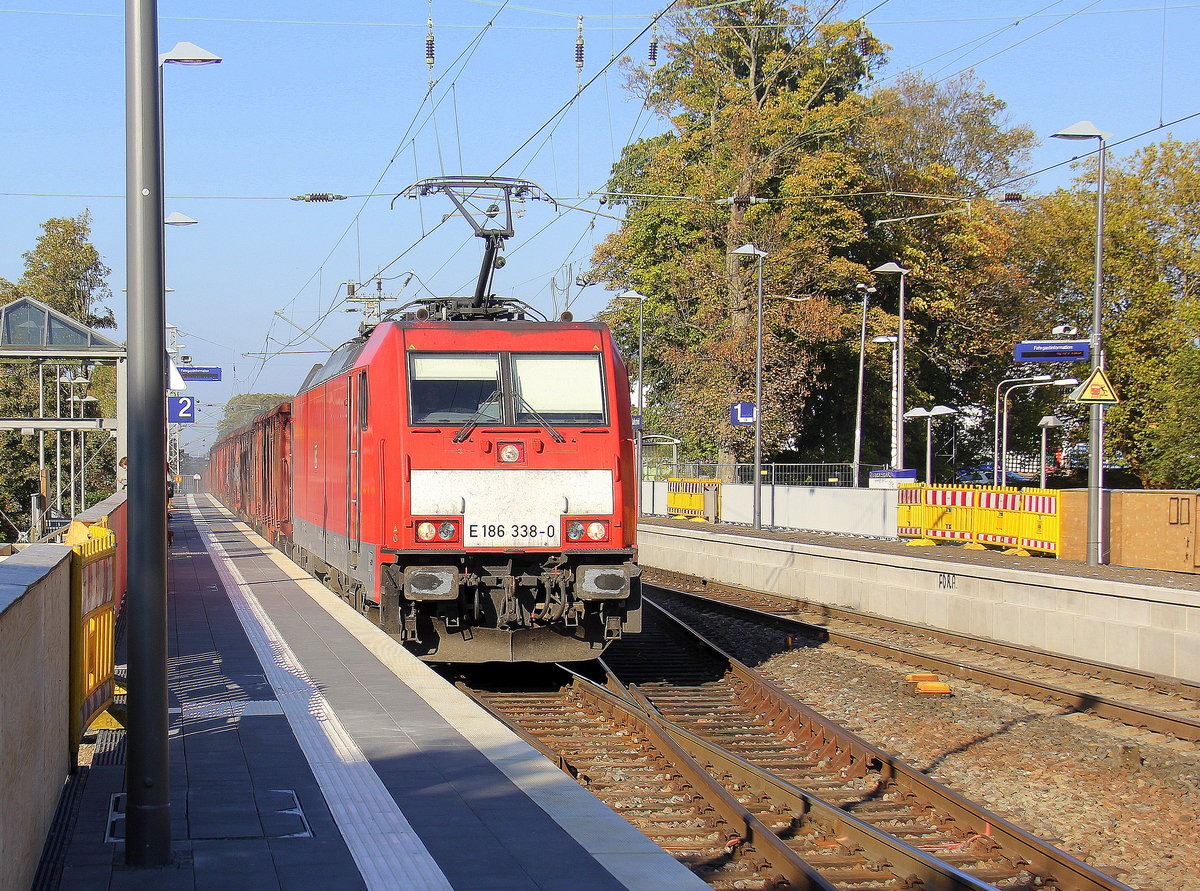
(1124, 801)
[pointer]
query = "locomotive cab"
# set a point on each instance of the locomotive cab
(517, 539)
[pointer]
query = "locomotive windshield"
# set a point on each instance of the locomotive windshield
(452, 389)
(562, 389)
(527, 389)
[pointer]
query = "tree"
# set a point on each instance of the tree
(937, 152)
(245, 407)
(769, 107)
(65, 271)
(749, 92)
(1151, 309)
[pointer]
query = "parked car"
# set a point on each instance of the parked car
(983, 476)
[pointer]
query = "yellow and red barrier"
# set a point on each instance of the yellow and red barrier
(1028, 519)
(93, 585)
(694, 498)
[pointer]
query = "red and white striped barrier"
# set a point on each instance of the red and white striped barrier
(950, 497)
(1041, 504)
(994, 500)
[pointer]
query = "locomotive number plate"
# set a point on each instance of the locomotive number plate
(510, 535)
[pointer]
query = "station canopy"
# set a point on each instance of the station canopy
(31, 329)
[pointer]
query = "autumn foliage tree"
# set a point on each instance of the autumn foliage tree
(1151, 298)
(775, 137)
(750, 92)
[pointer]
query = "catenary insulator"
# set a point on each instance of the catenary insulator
(654, 46)
(579, 47)
(429, 45)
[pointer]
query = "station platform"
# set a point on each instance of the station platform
(310, 750)
(1143, 619)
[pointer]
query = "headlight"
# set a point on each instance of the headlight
(510, 453)
(426, 531)
(575, 531)
(446, 531)
(597, 531)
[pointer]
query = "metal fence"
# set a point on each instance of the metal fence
(772, 474)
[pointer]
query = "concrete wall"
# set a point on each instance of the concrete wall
(1139, 626)
(35, 595)
(818, 508)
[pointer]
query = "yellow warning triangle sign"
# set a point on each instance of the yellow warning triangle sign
(1097, 389)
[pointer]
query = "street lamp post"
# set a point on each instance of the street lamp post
(997, 465)
(888, 338)
(889, 269)
(1062, 382)
(1046, 423)
(866, 292)
(749, 250)
(148, 808)
(1095, 545)
(641, 299)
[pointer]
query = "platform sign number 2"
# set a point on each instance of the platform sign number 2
(181, 409)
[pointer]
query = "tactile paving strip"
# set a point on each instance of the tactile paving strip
(361, 806)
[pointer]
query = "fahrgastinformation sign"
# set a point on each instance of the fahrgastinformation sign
(1052, 351)
(200, 373)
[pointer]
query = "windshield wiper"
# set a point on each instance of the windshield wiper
(472, 422)
(549, 428)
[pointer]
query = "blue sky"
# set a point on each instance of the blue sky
(323, 97)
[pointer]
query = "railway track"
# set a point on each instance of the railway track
(1162, 704)
(754, 790)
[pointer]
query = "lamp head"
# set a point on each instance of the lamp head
(890, 267)
(1066, 382)
(185, 53)
(939, 410)
(917, 413)
(178, 219)
(1050, 421)
(865, 289)
(885, 338)
(1083, 130)
(748, 250)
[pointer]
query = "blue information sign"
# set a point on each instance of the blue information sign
(200, 373)
(1053, 351)
(741, 413)
(181, 409)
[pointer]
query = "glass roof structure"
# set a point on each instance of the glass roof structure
(30, 325)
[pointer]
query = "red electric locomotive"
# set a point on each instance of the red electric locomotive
(463, 475)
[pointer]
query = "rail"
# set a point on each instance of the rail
(1181, 726)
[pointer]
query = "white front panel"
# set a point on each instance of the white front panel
(511, 508)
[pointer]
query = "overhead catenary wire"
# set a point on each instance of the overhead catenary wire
(462, 59)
